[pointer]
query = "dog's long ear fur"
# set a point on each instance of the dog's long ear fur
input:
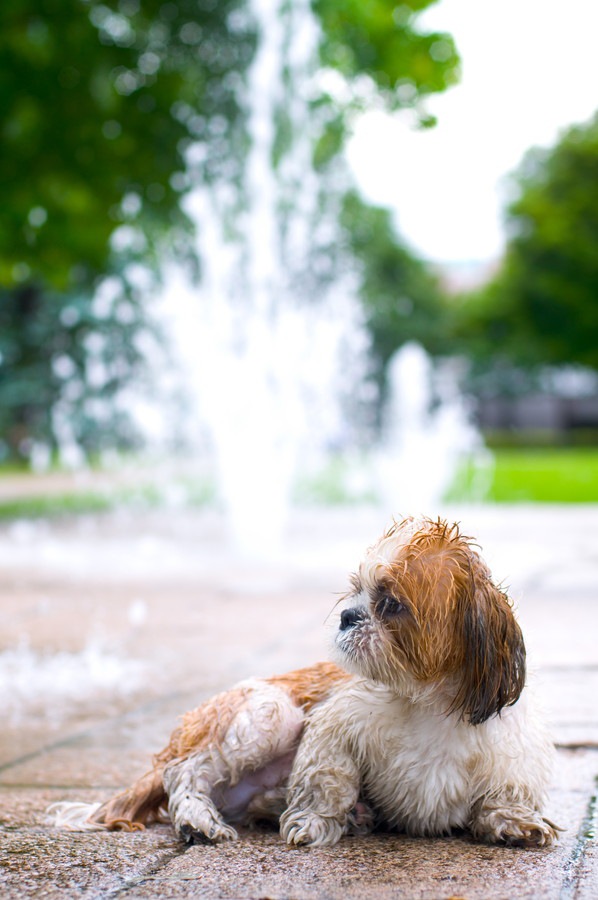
(493, 663)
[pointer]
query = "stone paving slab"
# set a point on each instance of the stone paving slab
(186, 619)
(36, 864)
(153, 864)
(259, 865)
(392, 866)
(584, 886)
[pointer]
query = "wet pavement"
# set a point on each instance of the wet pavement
(113, 626)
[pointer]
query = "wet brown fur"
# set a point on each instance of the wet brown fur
(458, 624)
(308, 687)
(144, 802)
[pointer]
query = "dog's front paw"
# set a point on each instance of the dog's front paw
(532, 834)
(215, 833)
(525, 828)
(310, 829)
(197, 821)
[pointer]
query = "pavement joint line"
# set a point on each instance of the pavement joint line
(81, 735)
(576, 745)
(587, 831)
(129, 883)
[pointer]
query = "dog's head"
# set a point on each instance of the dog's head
(423, 613)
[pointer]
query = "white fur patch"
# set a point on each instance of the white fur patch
(74, 816)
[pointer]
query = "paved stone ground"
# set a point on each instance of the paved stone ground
(113, 626)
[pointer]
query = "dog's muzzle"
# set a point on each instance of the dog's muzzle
(351, 617)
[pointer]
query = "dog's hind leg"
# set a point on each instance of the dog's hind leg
(234, 765)
(189, 783)
(224, 760)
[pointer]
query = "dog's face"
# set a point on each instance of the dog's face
(423, 613)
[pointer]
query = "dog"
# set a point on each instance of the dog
(423, 727)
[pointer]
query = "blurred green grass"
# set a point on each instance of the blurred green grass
(539, 475)
(40, 507)
(189, 493)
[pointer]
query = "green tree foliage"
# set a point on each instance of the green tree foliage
(63, 360)
(542, 307)
(100, 101)
(94, 118)
(384, 57)
(402, 298)
(380, 39)
(98, 104)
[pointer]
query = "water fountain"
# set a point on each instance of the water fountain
(265, 360)
(427, 434)
(271, 340)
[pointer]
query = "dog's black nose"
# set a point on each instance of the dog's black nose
(350, 617)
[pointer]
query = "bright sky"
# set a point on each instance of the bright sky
(529, 69)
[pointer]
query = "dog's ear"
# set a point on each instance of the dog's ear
(493, 651)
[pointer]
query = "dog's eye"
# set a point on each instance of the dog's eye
(388, 606)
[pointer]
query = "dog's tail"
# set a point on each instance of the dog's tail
(131, 810)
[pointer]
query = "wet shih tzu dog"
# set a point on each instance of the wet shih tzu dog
(424, 728)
